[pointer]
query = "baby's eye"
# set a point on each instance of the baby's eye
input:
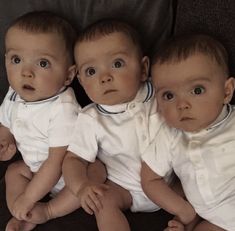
(44, 63)
(118, 63)
(90, 71)
(15, 59)
(198, 90)
(168, 95)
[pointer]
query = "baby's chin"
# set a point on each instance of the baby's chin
(186, 127)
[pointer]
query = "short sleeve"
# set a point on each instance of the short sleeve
(6, 108)
(84, 141)
(158, 154)
(63, 115)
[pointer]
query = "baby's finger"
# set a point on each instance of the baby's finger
(88, 206)
(11, 150)
(174, 225)
(96, 201)
(3, 149)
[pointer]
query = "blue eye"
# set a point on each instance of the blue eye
(90, 71)
(198, 90)
(44, 63)
(118, 63)
(168, 95)
(15, 59)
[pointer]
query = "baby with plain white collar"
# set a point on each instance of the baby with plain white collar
(193, 91)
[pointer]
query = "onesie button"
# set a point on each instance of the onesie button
(194, 144)
(132, 106)
(18, 123)
(144, 137)
(140, 119)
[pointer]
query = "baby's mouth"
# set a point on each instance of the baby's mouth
(109, 91)
(28, 87)
(186, 119)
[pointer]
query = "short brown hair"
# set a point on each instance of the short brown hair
(108, 26)
(181, 47)
(47, 22)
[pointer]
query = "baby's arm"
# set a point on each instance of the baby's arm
(7, 144)
(41, 183)
(76, 176)
(160, 193)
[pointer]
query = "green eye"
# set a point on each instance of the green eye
(118, 63)
(198, 90)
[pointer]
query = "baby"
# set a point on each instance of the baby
(193, 91)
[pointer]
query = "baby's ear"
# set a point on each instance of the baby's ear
(229, 89)
(144, 68)
(71, 74)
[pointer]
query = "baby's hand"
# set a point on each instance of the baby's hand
(21, 208)
(7, 150)
(89, 196)
(174, 225)
(7, 144)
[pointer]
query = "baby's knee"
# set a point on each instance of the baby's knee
(18, 168)
(97, 171)
(206, 225)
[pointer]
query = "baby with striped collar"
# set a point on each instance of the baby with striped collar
(117, 127)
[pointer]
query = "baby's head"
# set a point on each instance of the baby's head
(39, 55)
(110, 62)
(192, 82)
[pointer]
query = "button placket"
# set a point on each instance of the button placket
(201, 174)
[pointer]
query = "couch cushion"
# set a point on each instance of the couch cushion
(213, 17)
(153, 18)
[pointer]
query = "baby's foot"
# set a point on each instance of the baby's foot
(174, 225)
(39, 214)
(17, 225)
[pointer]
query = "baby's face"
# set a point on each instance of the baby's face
(110, 68)
(37, 64)
(191, 92)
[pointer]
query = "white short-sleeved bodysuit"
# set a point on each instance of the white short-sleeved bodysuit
(117, 135)
(39, 125)
(204, 162)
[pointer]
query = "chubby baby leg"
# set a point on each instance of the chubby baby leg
(64, 203)
(205, 225)
(114, 201)
(97, 172)
(17, 178)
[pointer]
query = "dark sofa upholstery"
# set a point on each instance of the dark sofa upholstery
(157, 20)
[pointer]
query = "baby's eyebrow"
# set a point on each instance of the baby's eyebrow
(199, 78)
(159, 89)
(8, 50)
(85, 64)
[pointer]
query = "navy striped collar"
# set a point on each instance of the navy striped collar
(145, 93)
(15, 97)
(224, 115)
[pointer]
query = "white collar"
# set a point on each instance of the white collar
(144, 94)
(15, 97)
(224, 115)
